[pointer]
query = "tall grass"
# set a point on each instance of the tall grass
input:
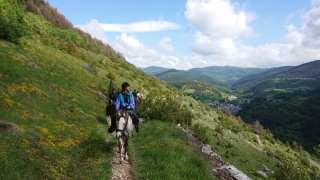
(162, 152)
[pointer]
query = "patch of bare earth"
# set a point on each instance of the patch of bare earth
(120, 171)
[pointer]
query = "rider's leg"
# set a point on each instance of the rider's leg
(135, 120)
(113, 123)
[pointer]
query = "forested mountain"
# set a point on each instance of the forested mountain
(241, 83)
(304, 76)
(291, 116)
(227, 74)
(198, 86)
(287, 103)
(154, 70)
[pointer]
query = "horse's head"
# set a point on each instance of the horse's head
(124, 124)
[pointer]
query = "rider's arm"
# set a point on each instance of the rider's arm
(117, 103)
(132, 103)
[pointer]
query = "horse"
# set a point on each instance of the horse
(124, 128)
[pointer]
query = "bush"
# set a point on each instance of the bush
(219, 130)
(91, 68)
(12, 24)
(199, 131)
(165, 107)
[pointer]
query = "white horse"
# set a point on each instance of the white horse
(123, 133)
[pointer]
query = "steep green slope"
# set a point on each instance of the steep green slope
(165, 153)
(226, 74)
(51, 100)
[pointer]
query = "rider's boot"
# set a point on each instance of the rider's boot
(137, 128)
(111, 129)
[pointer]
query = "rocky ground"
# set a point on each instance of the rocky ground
(120, 171)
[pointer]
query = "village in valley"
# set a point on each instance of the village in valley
(228, 106)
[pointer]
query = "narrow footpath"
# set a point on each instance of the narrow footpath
(120, 171)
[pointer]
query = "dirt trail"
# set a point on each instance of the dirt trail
(120, 171)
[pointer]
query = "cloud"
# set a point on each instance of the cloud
(165, 44)
(93, 27)
(219, 18)
(142, 26)
(220, 24)
(143, 56)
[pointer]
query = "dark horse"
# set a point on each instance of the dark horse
(110, 109)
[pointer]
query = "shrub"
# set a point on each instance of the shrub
(199, 131)
(12, 24)
(219, 130)
(91, 68)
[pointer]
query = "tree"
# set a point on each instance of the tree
(111, 77)
(294, 145)
(291, 169)
(257, 127)
(317, 150)
(240, 121)
(219, 130)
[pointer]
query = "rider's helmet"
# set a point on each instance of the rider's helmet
(124, 85)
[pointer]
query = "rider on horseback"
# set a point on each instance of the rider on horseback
(125, 101)
(112, 100)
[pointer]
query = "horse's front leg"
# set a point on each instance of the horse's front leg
(120, 145)
(126, 157)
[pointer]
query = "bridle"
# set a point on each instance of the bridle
(125, 115)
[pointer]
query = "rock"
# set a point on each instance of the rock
(265, 168)
(206, 149)
(141, 120)
(263, 174)
(178, 126)
(101, 95)
(215, 155)
(235, 173)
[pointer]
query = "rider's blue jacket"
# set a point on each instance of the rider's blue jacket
(121, 104)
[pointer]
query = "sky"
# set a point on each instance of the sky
(185, 34)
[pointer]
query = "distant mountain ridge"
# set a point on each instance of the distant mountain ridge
(303, 76)
(227, 74)
(151, 70)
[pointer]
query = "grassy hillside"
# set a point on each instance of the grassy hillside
(52, 120)
(165, 153)
(226, 74)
